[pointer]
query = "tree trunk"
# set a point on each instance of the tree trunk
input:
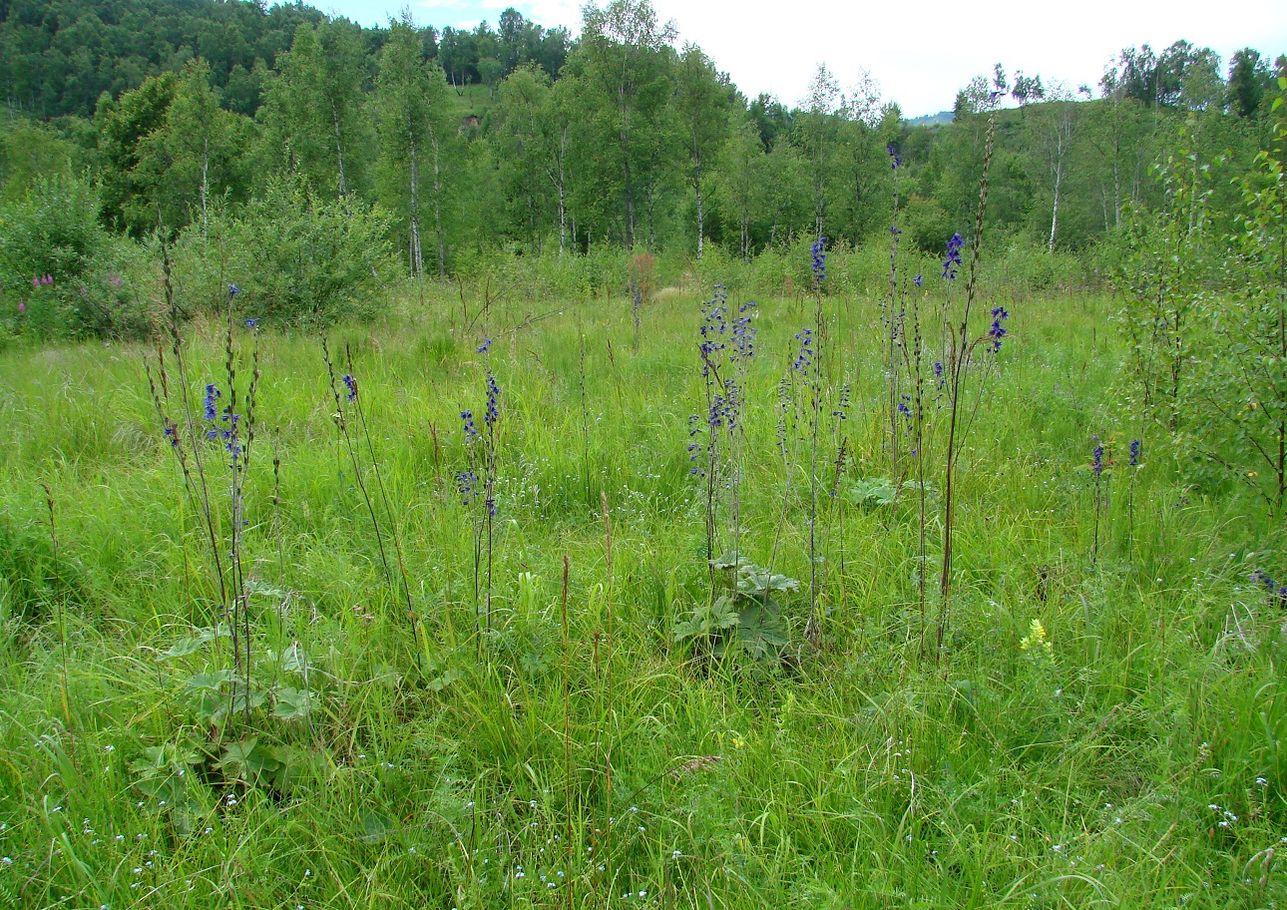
(339, 150)
(700, 219)
(205, 182)
(1054, 209)
(417, 258)
(437, 205)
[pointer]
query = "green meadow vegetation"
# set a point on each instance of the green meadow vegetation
(497, 469)
(1103, 726)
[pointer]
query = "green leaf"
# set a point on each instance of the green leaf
(292, 704)
(193, 643)
(209, 682)
(872, 492)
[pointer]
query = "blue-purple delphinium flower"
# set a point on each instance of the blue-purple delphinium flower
(485, 346)
(694, 447)
(744, 331)
(1137, 449)
(252, 323)
(351, 384)
(919, 281)
(467, 486)
(233, 290)
(953, 260)
(842, 408)
(713, 328)
(819, 252)
(1275, 591)
(938, 373)
(212, 395)
(894, 160)
(172, 434)
(903, 407)
(1097, 459)
(804, 357)
(999, 315)
(493, 399)
(467, 423)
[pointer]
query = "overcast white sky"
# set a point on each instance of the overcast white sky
(920, 53)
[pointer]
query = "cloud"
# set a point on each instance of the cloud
(921, 55)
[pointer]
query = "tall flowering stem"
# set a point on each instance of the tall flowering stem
(355, 403)
(478, 490)
(1135, 461)
(960, 351)
(237, 448)
(345, 404)
(725, 349)
(1097, 474)
(911, 343)
(809, 364)
(893, 317)
(185, 440)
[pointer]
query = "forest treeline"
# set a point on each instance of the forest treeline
(190, 116)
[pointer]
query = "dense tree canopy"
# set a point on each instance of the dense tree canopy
(516, 135)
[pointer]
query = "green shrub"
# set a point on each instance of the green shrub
(62, 275)
(296, 259)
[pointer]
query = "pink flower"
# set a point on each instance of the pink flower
(49, 279)
(36, 282)
(22, 307)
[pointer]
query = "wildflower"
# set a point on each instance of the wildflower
(114, 280)
(804, 358)
(1135, 452)
(212, 395)
(485, 346)
(744, 332)
(467, 486)
(938, 373)
(471, 428)
(35, 281)
(999, 315)
(819, 251)
(22, 307)
(171, 434)
(351, 384)
(694, 447)
(233, 290)
(493, 395)
(1036, 640)
(953, 260)
(894, 161)
(919, 281)
(1097, 459)
(252, 323)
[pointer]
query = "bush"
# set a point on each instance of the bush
(297, 260)
(62, 275)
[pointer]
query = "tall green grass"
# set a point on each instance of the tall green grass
(854, 776)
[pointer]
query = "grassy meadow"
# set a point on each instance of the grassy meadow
(1105, 725)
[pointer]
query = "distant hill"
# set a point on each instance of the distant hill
(931, 119)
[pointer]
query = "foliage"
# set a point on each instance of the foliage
(61, 273)
(745, 615)
(297, 259)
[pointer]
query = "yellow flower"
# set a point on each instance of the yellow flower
(1036, 639)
